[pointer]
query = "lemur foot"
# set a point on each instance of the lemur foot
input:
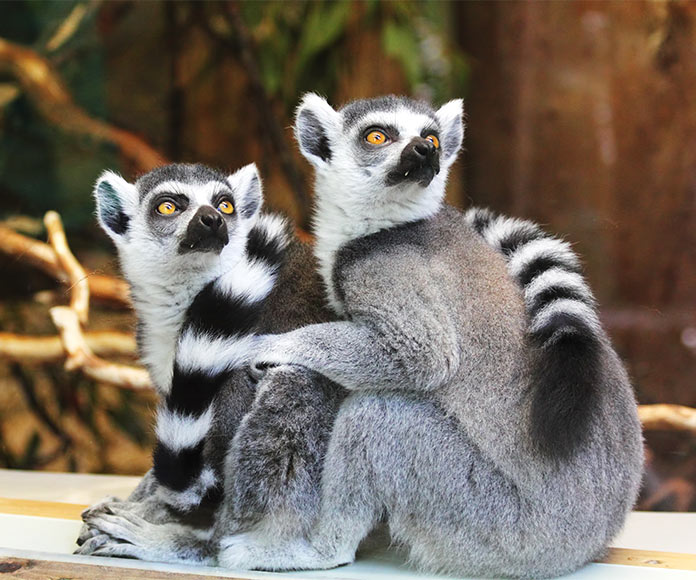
(91, 545)
(252, 551)
(86, 531)
(106, 546)
(121, 531)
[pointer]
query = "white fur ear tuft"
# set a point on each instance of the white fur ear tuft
(451, 119)
(315, 124)
(248, 192)
(117, 202)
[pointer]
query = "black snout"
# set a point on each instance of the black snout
(210, 218)
(206, 232)
(424, 148)
(419, 162)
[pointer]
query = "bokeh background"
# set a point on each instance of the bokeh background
(581, 115)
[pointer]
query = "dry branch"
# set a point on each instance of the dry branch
(49, 349)
(68, 27)
(669, 417)
(45, 88)
(44, 257)
(80, 355)
(79, 287)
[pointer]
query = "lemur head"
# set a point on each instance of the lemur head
(386, 157)
(178, 219)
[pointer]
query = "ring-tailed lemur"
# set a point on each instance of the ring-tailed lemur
(207, 273)
(494, 443)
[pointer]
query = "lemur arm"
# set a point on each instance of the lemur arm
(399, 337)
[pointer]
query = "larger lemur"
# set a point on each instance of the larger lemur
(207, 273)
(494, 440)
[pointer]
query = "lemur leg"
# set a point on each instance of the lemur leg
(398, 455)
(275, 461)
(350, 508)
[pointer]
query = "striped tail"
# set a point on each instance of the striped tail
(216, 338)
(564, 329)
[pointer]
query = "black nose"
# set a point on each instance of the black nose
(423, 148)
(210, 219)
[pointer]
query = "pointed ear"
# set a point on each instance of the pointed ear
(248, 194)
(117, 202)
(315, 123)
(450, 116)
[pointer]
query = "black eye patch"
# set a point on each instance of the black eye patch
(389, 130)
(223, 195)
(180, 200)
(430, 130)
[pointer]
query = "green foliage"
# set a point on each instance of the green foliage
(401, 42)
(325, 24)
(303, 46)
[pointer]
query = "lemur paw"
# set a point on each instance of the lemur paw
(101, 505)
(254, 551)
(90, 545)
(105, 546)
(120, 523)
(271, 351)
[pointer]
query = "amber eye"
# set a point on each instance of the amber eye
(434, 140)
(166, 208)
(376, 138)
(225, 206)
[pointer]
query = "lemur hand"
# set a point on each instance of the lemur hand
(272, 350)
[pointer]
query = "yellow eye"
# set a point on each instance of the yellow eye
(166, 208)
(225, 206)
(434, 140)
(376, 138)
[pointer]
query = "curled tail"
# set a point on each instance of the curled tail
(564, 328)
(216, 338)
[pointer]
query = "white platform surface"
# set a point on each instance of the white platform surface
(50, 538)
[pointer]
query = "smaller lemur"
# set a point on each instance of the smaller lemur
(216, 338)
(207, 272)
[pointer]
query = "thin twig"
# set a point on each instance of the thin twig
(79, 287)
(67, 29)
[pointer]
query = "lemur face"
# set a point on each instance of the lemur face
(177, 216)
(388, 148)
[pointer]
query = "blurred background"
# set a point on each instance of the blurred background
(581, 115)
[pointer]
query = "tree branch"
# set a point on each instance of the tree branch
(50, 96)
(49, 349)
(668, 417)
(80, 355)
(44, 257)
(79, 287)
